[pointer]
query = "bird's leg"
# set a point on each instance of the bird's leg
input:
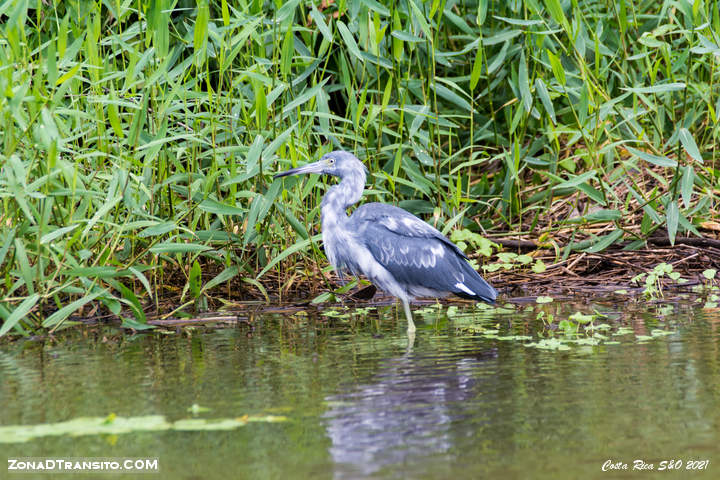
(411, 342)
(408, 315)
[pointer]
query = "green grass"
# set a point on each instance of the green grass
(138, 139)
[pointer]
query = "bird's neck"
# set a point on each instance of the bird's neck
(340, 197)
(335, 221)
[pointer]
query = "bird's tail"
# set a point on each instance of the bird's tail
(481, 290)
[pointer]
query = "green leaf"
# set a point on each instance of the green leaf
(51, 63)
(69, 74)
(557, 68)
(387, 94)
(101, 212)
(542, 92)
(177, 247)
(305, 96)
(603, 215)
(539, 267)
(200, 33)
(130, 299)
(556, 12)
(286, 10)
(451, 96)
(298, 246)
(605, 241)
(49, 237)
(654, 159)
(498, 60)
(19, 313)
(376, 7)
(225, 12)
(406, 37)
(593, 193)
(260, 103)
(672, 216)
(253, 155)
(398, 49)
(98, 271)
(293, 221)
(667, 87)
(477, 68)
(688, 142)
(222, 277)
(574, 180)
(135, 325)
(259, 286)
(58, 317)
(320, 22)
(324, 297)
(286, 52)
(686, 184)
(281, 139)
(24, 264)
(420, 18)
(482, 12)
(138, 121)
(195, 279)
(143, 279)
(349, 40)
(213, 206)
(113, 114)
(158, 229)
(9, 238)
(524, 82)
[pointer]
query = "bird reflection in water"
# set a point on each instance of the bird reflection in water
(405, 413)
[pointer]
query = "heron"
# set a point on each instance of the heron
(395, 250)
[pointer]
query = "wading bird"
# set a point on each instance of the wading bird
(394, 249)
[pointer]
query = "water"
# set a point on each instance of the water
(360, 404)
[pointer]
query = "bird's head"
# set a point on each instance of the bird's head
(338, 163)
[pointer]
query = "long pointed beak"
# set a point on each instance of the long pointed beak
(315, 167)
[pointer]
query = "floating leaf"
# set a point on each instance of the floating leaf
(709, 273)
(539, 267)
(115, 425)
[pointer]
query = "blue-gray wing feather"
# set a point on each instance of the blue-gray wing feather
(400, 222)
(415, 253)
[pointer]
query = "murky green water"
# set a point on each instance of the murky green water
(361, 405)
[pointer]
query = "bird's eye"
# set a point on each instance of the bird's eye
(331, 161)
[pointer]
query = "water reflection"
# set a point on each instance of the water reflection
(406, 412)
(361, 405)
